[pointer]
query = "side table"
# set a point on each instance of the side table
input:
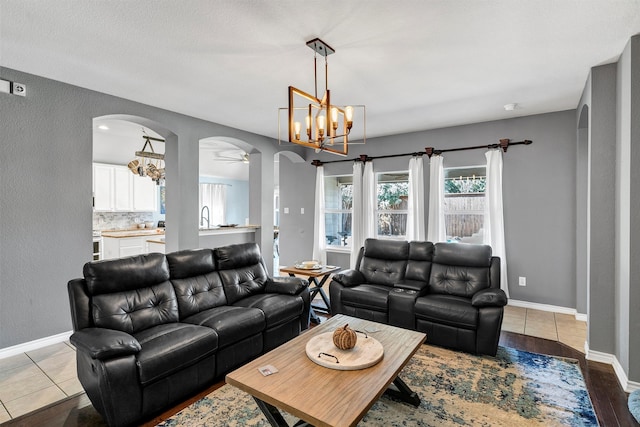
(317, 278)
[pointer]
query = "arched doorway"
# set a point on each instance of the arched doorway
(127, 199)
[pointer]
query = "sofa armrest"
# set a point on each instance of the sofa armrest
(286, 285)
(489, 298)
(101, 343)
(413, 285)
(349, 278)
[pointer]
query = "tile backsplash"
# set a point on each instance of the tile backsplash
(120, 220)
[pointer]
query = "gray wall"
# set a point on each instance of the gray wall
(539, 186)
(45, 194)
(627, 289)
(600, 97)
(297, 190)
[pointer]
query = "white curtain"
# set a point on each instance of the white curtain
(319, 238)
(369, 202)
(357, 223)
(415, 215)
(437, 230)
(363, 221)
(214, 197)
(493, 213)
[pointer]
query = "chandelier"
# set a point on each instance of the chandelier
(149, 163)
(315, 122)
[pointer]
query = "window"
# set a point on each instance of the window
(391, 211)
(212, 201)
(464, 200)
(338, 207)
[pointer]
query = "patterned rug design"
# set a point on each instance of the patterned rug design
(516, 388)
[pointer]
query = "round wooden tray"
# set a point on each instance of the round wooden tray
(367, 352)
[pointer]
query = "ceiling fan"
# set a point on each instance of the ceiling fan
(231, 157)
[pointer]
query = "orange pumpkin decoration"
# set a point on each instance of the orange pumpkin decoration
(345, 338)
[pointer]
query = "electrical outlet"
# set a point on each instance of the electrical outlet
(286, 210)
(18, 89)
(301, 211)
(522, 281)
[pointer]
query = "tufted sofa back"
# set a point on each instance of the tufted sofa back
(384, 262)
(196, 282)
(419, 263)
(131, 294)
(460, 269)
(241, 269)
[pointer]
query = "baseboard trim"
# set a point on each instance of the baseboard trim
(34, 345)
(548, 307)
(611, 359)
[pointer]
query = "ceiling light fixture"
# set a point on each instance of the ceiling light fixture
(510, 107)
(150, 163)
(326, 126)
(103, 127)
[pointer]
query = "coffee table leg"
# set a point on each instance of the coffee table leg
(403, 392)
(271, 413)
(274, 416)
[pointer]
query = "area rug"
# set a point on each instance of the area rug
(515, 388)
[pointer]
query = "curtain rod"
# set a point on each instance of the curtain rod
(429, 151)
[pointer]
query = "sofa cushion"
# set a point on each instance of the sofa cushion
(170, 348)
(125, 274)
(419, 261)
(459, 281)
(190, 262)
(277, 308)
(231, 324)
(462, 254)
(373, 297)
(447, 310)
(240, 255)
(135, 310)
(199, 293)
(241, 269)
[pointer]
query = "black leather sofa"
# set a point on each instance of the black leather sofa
(152, 330)
(450, 291)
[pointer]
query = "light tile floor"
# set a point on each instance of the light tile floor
(544, 324)
(35, 379)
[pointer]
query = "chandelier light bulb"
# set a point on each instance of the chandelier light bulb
(321, 125)
(296, 127)
(334, 118)
(348, 114)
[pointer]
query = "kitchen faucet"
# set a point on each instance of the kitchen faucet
(202, 217)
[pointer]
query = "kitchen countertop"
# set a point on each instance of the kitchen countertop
(137, 232)
(229, 230)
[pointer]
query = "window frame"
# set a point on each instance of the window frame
(467, 172)
(378, 211)
(337, 211)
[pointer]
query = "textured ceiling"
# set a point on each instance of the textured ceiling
(414, 64)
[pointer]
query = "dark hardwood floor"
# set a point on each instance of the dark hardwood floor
(607, 396)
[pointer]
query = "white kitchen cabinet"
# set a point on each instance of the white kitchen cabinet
(118, 247)
(145, 194)
(122, 194)
(103, 187)
(155, 247)
(115, 188)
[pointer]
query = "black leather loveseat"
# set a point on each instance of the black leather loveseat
(152, 330)
(450, 291)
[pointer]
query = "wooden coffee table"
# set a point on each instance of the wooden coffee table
(322, 396)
